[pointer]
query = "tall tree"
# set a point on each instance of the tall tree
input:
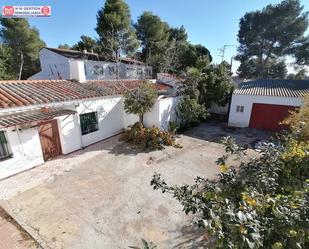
(275, 69)
(302, 52)
(215, 86)
(6, 61)
(209, 84)
(116, 34)
(153, 34)
(25, 43)
(300, 75)
(270, 33)
(85, 43)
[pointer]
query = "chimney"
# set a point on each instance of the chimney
(77, 71)
(85, 51)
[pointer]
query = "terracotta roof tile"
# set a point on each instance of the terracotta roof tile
(16, 93)
(30, 92)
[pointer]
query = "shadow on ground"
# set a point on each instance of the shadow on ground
(192, 237)
(214, 131)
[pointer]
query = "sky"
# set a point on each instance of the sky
(212, 23)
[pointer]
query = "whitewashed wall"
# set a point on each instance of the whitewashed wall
(56, 66)
(26, 148)
(112, 119)
(53, 66)
(163, 111)
(242, 119)
(69, 132)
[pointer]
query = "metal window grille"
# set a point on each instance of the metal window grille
(4, 147)
(88, 122)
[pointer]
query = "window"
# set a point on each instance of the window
(88, 122)
(4, 147)
(240, 108)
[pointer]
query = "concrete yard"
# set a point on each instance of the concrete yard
(101, 197)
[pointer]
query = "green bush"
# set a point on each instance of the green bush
(190, 112)
(264, 203)
(148, 138)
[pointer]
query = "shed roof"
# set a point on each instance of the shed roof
(274, 87)
(29, 117)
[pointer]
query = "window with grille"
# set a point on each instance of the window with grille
(240, 108)
(4, 147)
(88, 122)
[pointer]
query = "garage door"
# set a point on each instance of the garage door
(268, 117)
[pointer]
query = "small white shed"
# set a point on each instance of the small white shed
(264, 103)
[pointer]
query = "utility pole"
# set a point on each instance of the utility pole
(222, 50)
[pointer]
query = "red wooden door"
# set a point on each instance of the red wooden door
(268, 117)
(49, 137)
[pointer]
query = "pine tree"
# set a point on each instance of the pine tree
(270, 33)
(25, 44)
(116, 33)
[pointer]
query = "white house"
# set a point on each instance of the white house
(264, 103)
(41, 119)
(61, 63)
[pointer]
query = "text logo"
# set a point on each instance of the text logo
(26, 11)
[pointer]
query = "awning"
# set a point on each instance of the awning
(29, 117)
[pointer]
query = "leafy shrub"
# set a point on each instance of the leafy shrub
(298, 121)
(264, 204)
(140, 100)
(173, 126)
(149, 138)
(190, 112)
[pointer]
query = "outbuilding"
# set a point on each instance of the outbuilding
(264, 103)
(41, 119)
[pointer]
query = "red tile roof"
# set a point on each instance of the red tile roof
(16, 93)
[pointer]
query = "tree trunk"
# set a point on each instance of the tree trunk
(141, 119)
(21, 65)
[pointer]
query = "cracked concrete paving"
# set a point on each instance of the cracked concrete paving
(105, 199)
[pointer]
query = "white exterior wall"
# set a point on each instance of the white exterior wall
(152, 118)
(56, 66)
(26, 148)
(242, 119)
(53, 66)
(112, 119)
(163, 111)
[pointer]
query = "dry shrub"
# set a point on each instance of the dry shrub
(149, 138)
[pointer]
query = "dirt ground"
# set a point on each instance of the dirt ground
(101, 197)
